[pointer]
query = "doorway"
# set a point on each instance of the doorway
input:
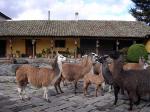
(29, 47)
(2, 48)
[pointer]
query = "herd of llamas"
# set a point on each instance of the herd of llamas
(132, 78)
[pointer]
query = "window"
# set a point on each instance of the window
(60, 43)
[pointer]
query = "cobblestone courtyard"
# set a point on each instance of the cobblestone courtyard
(65, 102)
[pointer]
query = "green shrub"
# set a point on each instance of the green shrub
(135, 51)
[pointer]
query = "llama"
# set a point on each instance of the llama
(106, 69)
(136, 66)
(96, 68)
(39, 77)
(91, 78)
(74, 72)
(135, 82)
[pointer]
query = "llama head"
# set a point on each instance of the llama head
(145, 65)
(61, 58)
(94, 56)
(142, 60)
(103, 59)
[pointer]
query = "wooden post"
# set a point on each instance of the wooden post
(52, 48)
(33, 44)
(117, 45)
(75, 42)
(97, 46)
(11, 48)
(134, 41)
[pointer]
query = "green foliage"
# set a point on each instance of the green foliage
(43, 52)
(141, 10)
(39, 55)
(124, 50)
(48, 51)
(135, 51)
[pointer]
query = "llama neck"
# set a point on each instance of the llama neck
(87, 67)
(106, 73)
(59, 68)
(91, 71)
(105, 68)
(117, 68)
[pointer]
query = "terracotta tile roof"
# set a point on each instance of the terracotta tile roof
(90, 28)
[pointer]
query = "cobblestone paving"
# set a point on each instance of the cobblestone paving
(65, 102)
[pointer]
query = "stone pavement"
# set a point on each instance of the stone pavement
(65, 102)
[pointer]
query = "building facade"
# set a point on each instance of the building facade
(34, 37)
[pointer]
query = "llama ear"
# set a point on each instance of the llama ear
(115, 55)
(57, 53)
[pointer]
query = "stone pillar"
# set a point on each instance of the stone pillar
(117, 45)
(33, 48)
(97, 46)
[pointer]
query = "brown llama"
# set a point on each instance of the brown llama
(39, 77)
(74, 72)
(135, 82)
(91, 78)
(136, 66)
(96, 68)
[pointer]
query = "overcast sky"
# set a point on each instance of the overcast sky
(65, 9)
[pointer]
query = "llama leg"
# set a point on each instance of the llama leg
(20, 89)
(138, 101)
(109, 88)
(101, 90)
(116, 91)
(55, 85)
(65, 83)
(46, 94)
(60, 88)
(85, 87)
(25, 95)
(97, 87)
(103, 85)
(132, 97)
(75, 87)
(131, 104)
(58, 84)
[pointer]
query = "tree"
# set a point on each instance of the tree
(141, 10)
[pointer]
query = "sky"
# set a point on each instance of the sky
(65, 9)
